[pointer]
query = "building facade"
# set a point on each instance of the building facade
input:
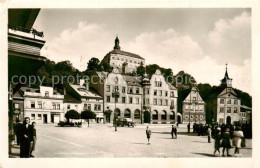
(43, 105)
(228, 103)
(124, 61)
(194, 108)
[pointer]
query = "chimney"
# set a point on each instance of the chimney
(87, 85)
(81, 82)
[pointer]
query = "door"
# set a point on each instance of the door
(52, 118)
(45, 118)
(228, 120)
(147, 117)
(179, 119)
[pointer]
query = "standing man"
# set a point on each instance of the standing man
(188, 126)
(34, 138)
(175, 132)
(172, 132)
(26, 138)
(209, 134)
(148, 134)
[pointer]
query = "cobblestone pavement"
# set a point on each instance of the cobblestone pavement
(101, 140)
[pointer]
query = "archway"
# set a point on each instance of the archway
(137, 114)
(155, 115)
(179, 119)
(147, 117)
(164, 115)
(228, 120)
(127, 113)
(172, 116)
(117, 112)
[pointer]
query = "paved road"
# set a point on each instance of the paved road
(101, 140)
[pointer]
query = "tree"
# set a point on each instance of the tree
(107, 113)
(72, 114)
(88, 114)
(93, 64)
(140, 70)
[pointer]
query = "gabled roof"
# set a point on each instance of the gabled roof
(102, 75)
(126, 54)
(81, 90)
(131, 80)
(171, 87)
(226, 91)
(70, 99)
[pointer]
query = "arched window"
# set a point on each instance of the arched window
(117, 112)
(164, 115)
(155, 115)
(172, 116)
(137, 114)
(127, 113)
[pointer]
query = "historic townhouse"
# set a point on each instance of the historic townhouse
(81, 97)
(160, 99)
(193, 107)
(43, 105)
(122, 94)
(228, 104)
(124, 61)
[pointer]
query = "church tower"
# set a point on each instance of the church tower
(117, 47)
(226, 81)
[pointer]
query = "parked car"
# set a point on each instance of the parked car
(64, 124)
(125, 122)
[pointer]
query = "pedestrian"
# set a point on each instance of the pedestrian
(34, 138)
(209, 135)
(217, 140)
(17, 131)
(188, 126)
(148, 134)
(226, 142)
(237, 138)
(175, 132)
(26, 138)
(172, 132)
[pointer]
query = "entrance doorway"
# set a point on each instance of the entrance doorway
(147, 117)
(45, 118)
(228, 120)
(52, 118)
(179, 119)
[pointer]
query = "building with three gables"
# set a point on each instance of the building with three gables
(124, 61)
(194, 108)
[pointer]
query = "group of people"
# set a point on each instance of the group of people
(25, 137)
(223, 139)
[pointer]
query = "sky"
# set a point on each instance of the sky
(198, 41)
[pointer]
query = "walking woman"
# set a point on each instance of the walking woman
(237, 138)
(226, 142)
(217, 141)
(148, 134)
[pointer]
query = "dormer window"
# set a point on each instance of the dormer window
(47, 93)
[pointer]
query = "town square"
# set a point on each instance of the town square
(120, 83)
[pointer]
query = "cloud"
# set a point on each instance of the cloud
(166, 48)
(79, 45)
(230, 40)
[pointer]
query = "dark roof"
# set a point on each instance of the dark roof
(131, 80)
(126, 53)
(69, 98)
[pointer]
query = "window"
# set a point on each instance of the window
(39, 116)
(191, 116)
(186, 107)
(76, 107)
(155, 92)
(68, 107)
(172, 104)
(160, 92)
(235, 110)
(130, 90)
(123, 89)
(40, 105)
(137, 100)
(147, 101)
(186, 117)
(95, 107)
(32, 104)
(137, 114)
(137, 91)
(155, 101)
(58, 106)
(16, 106)
(89, 106)
(32, 116)
(166, 93)
(131, 100)
(163, 116)
(85, 106)
(194, 99)
(229, 110)
(221, 110)
(160, 102)
(201, 117)
(123, 99)
(229, 101)
(172, 94)
(155, 115)
(147, 91)
(221, 101)
(99, 107)
(166, 102)
(47, 93)
(235, 101)
(108, 88)
(53, 106)
(108, 99)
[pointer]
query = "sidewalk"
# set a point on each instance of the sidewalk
(15, 150)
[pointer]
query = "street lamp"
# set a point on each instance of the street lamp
(115, 94)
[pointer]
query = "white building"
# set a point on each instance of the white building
(194, 108)
(228, 104)
(124, 61)
(43, 105)
(81, 97)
